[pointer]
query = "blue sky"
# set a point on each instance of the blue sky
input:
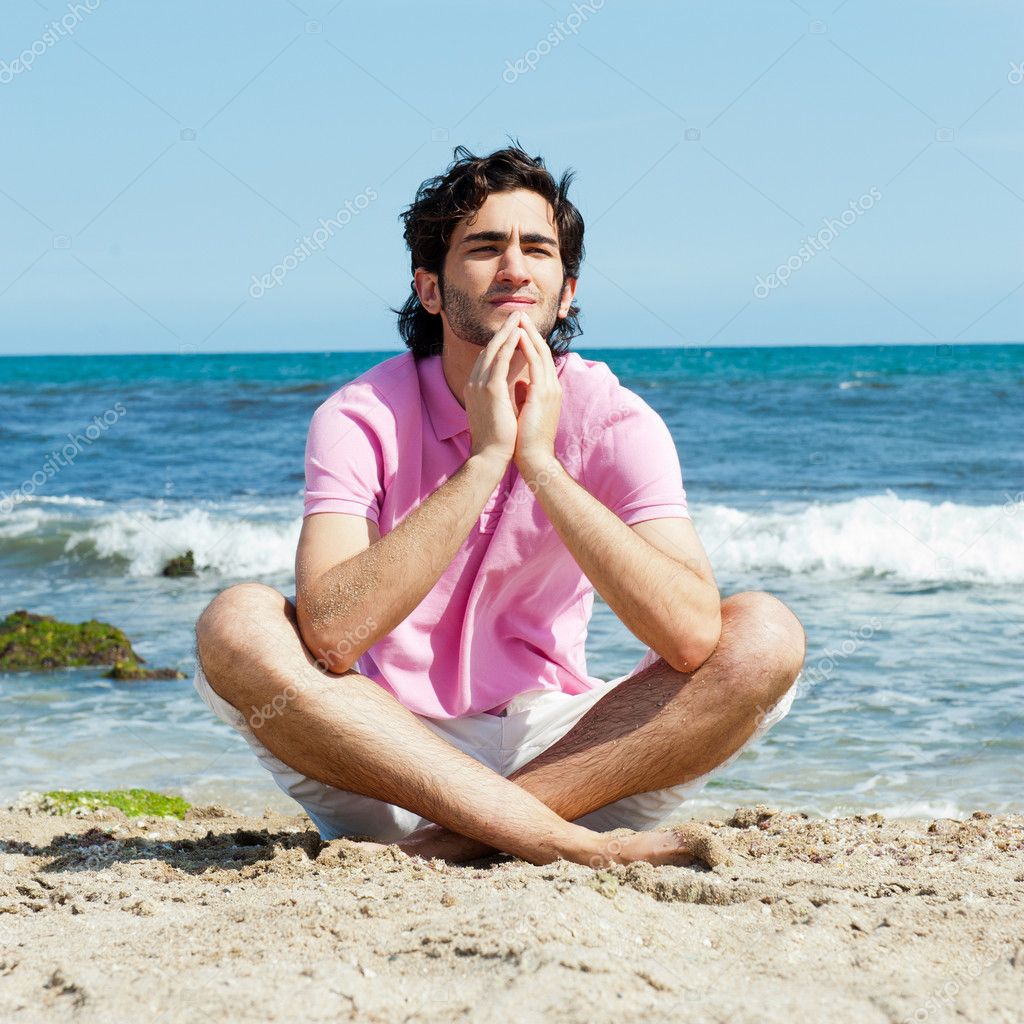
(158, 156)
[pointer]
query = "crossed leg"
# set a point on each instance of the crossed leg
(656, 729)
(659, 727)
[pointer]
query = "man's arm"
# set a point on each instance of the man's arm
(345, 606)
(655, 576)
(352, 585)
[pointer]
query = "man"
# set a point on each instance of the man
(427, 685)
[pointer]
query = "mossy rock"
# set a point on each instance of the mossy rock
(130, 670)
(181, 565)
(134, 802)
(40, 642)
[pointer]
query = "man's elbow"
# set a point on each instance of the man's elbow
(334, 658)
(699, 643)
(329, 655)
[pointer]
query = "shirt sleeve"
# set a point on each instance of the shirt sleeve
(344, 456)
(631, 463)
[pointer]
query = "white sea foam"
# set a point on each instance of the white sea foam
(229, 545)
(75, 500)
(825, 806)
(30, 511)
(926, 809)
(879, 535)
(21, 522)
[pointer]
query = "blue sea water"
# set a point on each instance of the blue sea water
(878, 490)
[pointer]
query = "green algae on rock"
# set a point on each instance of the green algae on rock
(134, 802)
(34, 642)
(31, 642)
(129, 670)
(181, 565)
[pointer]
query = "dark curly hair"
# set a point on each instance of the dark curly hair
(441, 202)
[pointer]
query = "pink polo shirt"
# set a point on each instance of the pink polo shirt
(510, 613)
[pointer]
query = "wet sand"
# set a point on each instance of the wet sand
(227, 917)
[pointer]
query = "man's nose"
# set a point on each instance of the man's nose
(513, 266)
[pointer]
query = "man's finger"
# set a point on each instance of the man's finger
(533, 357)
(499, 365)
(486, 357)
(539, 345)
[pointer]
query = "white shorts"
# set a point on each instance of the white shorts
(532, 722)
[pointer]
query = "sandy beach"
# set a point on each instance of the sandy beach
(225, 917)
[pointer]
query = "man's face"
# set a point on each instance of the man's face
(509, 248)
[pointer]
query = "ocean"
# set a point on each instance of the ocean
(877, 490)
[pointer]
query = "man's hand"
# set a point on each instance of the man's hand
(489, 403)
(538, 418)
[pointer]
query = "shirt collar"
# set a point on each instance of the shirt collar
(447, 417)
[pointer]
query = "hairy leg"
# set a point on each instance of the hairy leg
(660, 727)
(347, 732)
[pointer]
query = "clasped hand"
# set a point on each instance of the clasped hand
(510, 413)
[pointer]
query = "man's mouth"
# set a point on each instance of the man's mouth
(512, 301)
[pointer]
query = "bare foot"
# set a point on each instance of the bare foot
(436, 841)
(367, 850)
(680, 845)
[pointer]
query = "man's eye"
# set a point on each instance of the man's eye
(491, 248)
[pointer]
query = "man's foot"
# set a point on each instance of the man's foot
(436, 841)
(681, 845)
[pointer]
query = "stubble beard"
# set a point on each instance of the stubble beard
(465, 317)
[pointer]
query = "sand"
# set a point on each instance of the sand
(223, 917)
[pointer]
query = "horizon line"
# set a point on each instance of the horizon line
(594, 348)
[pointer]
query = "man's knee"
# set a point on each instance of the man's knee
(230, 622)
(764, 631)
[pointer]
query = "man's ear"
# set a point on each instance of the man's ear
(429, 294)
(568, 294)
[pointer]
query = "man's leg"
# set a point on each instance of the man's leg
(660, 727)
(347, 732)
